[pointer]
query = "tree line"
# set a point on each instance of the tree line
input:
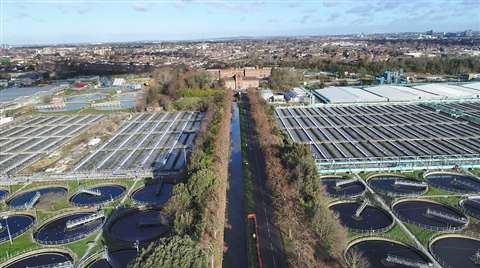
(197, 206)
(317, 239)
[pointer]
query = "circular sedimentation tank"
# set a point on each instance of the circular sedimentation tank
(471, 207)
(371, 219)
(454, 182)
(430, 215)
(3, 194)
(99, 263)
(97, 196)
(152, 194)
(456, 251)
(118, 259)
(379, 253)
(138, 225)
(396, 185)
(122, 258)
(47, 259)
(20, 201)
(349, 190)
(57, 231)
(16, 224)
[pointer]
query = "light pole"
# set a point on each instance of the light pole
(5, 217)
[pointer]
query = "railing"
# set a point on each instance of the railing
(361, 208)
(447, 228)
(341, 183)
(394, 195)
(407, 262)
(445, 216)
(372, 232)
(82, 220)
(345, 196)
(68, 240)
(67, 264)
(100, 203)
(409, 183)
(94, 192)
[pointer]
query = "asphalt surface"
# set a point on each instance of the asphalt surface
(236, 229)
(269, 237)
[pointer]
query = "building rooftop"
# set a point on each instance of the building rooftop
(475, 85)
(402, 93)
(450, 91)
(348, 94)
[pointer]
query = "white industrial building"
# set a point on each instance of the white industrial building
(399, 93)
(450, 91)
(347, 95)
(402, 93)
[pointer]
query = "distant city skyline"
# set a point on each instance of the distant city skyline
(83, 21)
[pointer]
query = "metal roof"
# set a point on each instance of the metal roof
(450, 91)
(475, 85)
(348, 94)
(402, 93)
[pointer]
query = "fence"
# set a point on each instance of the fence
(394, 195)
(372, 232)
(71, 239)
(68, 240)
(100, 203)
(447, 228)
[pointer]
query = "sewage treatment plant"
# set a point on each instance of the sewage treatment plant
(105, 204)
(400, 165)
(401, 176)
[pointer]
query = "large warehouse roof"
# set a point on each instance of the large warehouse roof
(348, 94)
(450, 91)
(402, 93)
(475, 85)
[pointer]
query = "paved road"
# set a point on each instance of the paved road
(271, 247)
(236, 229)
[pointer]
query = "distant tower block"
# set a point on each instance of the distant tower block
(407, 262)
(409, 183)
(361, 208)
(445, 216)
(342, 183)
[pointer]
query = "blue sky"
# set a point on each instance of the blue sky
(68, 21)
